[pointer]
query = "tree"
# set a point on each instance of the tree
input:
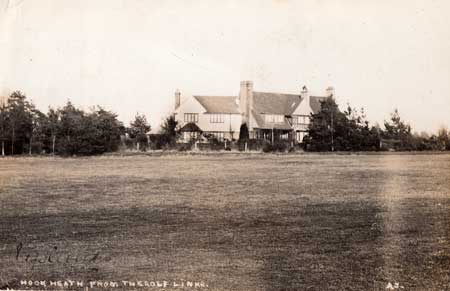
(140, 125)
(169, 132)
(19, 119)
(106, 130)
(36, 134)
(138, 130)
(52, 126)
(443, 139)
(84, 133)
(330, 129)
(3, 125)
(243, 133)
(94, 132)
(361, 136)
(67, 130)
(398, 132)
(326, 128)
(71, 129)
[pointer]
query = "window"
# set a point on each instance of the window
(216, 118)
(191, 117)
(300, 119)
(284, 136)
(274, 118)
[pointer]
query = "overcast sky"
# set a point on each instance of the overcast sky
(131, 55)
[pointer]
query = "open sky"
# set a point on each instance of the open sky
(131, 55)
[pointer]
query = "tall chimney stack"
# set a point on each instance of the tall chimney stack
(330, 91)
(246, 101)
(177, 98)
(305, 94)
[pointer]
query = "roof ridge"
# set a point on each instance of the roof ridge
(214, 96)
(278, 93)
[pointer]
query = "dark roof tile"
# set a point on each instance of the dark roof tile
(261, 123)
(314, 102)
(275, 103)
(219, 104)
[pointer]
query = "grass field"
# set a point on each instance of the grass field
(233, 222)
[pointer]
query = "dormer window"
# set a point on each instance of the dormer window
(191, 117)
(300, 119)
(274, 118)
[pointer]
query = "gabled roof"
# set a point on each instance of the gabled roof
(314, 102)
(282, 104)
(191, 127)
(275, 103)
(219, 104)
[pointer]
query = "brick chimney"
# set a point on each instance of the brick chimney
(177, 98)
(246, 101)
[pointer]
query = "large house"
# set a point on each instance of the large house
(264, 113)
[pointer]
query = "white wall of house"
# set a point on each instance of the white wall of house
(300, 117)
(304, 108)
(188, 105)
(231, 123)
(222, 122)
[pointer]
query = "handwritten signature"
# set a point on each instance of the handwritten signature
(53, 255)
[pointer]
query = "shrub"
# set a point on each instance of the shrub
(243, 133)
(267, 147)
(184, 147)
(280, 146)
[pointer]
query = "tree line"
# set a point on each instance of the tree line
(334, 130)
(64, 131)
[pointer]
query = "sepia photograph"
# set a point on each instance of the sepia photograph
(203, 145)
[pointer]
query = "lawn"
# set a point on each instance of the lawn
(230, 222)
